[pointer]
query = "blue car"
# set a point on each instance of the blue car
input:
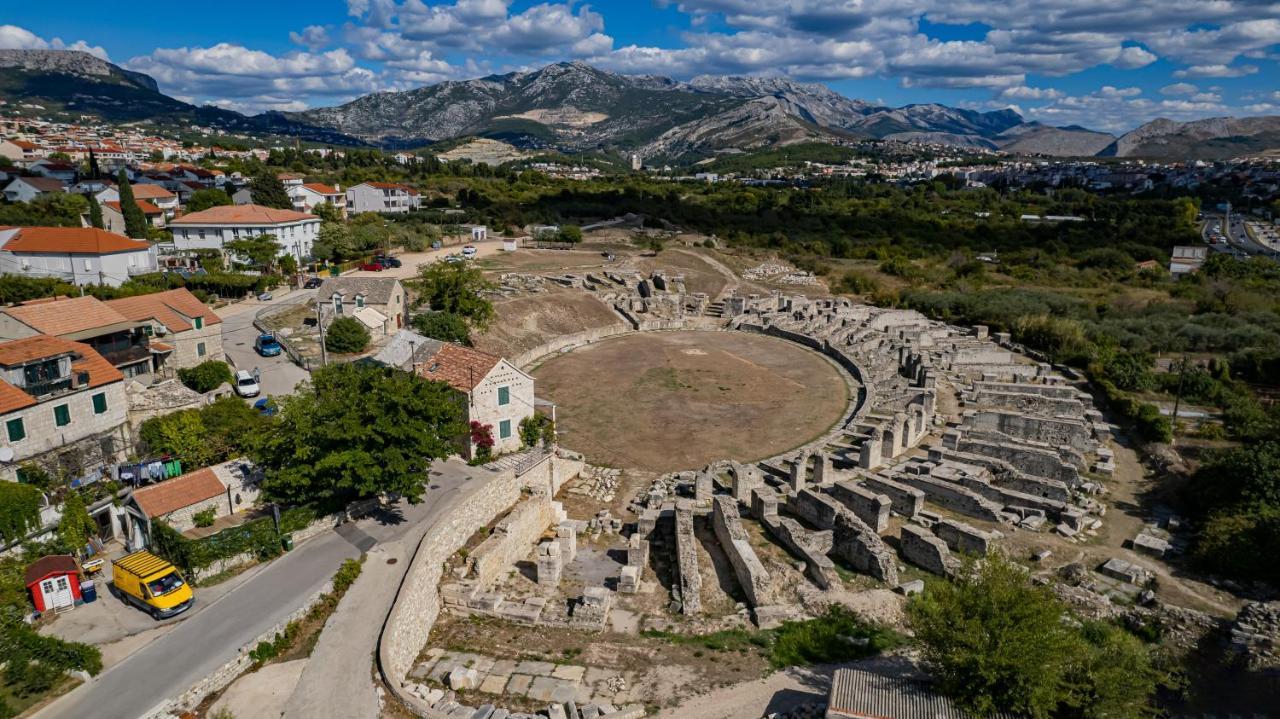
(265, 406)
(267, 346)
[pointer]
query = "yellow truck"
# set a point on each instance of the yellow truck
(152, 584)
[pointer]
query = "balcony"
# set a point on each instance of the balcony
(45, 388)
(125, 355)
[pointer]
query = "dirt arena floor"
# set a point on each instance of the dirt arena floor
(670, 401)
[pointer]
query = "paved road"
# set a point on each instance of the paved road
(214, 636)
(279, 374)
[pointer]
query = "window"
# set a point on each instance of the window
(62, 415)
(199, 323)
(504, 429)
(359, 302)
(200, 350)
(504, 396)
(17, 432)
(100, 403)
(337, 304)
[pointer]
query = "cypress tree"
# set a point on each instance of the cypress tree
(95, 213)
(135, 223)
(267, 190)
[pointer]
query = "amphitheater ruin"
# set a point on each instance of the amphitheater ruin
(952, 439)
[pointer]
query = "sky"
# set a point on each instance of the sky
(1103, 64)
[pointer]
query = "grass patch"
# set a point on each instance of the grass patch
(837, 636)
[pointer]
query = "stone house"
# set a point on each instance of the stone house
(494, 391)
(62, 406)
(225, 488)
(177, 322)
(378, 302)
(121, 341)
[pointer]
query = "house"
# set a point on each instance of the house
(381, 197)
(26, 189)
(21, 150)
(113, 216)
(80, 255)
(153, 193)
(495, 392)
(378, 302)
(290, 179)
(223, 488)
(58, 170)
(242, 196)
(122, 342)
(54, 582)
(1187, 259)
(178, 320)
(62, 405)
(306, 196)
(295, 232)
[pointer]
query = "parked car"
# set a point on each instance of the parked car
(265, 406)
(453, 258)
(312, 283)
(246, 385)
(265, 297)
(371, 267)
(267, 346)
(388, 261)
(152, 584)
(469, 252)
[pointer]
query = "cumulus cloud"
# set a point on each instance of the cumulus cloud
(312, 37)
(13, 37)
(1216, 71)
(1179, 88)
(1022, 92)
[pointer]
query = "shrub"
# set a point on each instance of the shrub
(443, 326)
(204, 518)
(346, 335)
(346, 575)
(206, 376)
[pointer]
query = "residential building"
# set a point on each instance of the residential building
(495, 392)
(26, 189)
(290, 179)
(80, 255)
(223, 489)
(1187, 259)
(58, 170)
(21, 150)
(306, 196)
(295, 232)
(378, 302)
(113, 216)
(62, 406)
(121, 341)
(179, 321)
(153, 193)
(381, 197)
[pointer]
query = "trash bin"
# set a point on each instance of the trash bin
(286, 541)
(88, 592)
(335, 271)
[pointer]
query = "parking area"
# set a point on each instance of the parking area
(279, 375)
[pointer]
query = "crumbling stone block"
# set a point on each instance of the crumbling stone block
(906, 501)
(751, 574)
(690, 584)
(870, 507)
(549, 564)
(962, 537)
(926, 550)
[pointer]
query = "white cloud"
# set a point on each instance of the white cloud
(1216, 71)
(1022, 92)
(312, 37)
(1179, 88)
(13, 37)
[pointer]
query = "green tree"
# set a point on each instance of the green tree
(76, 526)
(267, 190)
(288, 264)
(181, 434)
(334, 243)
(261, 250)
(570, 233)
(206, 376)
(357, 430)
(19, 510)
(204, 199)
(95, 213)
(443, 326)
(346, 335)
(135, 223)
(327, 212)
(456, 288)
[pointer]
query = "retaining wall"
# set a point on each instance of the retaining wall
(733, 539)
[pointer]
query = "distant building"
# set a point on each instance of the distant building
(306, 196)
(26, 189)
(1187, 259)
(381, 197)
(79, 255)
(213, 228)
(636, 162)
(119, 340)
(20, 150)
(155, 194)
(378, 302)
(177, 322)
(113, 216)
(290, 179)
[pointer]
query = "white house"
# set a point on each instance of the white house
(21, 150)
(56, 169)
(381, 197)
(113, 216)
(153, 193)
(211, 229)
(59, 398)
(26, 189)
(81, 255)
(306, 196)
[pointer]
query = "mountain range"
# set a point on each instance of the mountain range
(574, 107)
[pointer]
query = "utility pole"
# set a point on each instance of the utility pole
(324, 353)
(1177, 398)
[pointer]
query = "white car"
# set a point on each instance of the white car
(246, 385)
(469, 252)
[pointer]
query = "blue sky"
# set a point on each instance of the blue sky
(1097, 63)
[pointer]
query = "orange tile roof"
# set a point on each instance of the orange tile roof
(321, 188)
(146, 207)
(461, 367)
(17, 352)
(72, 241)
(24, 144)
(65, 316)
(171, 308)
(174, 494)
(145, 191)
(242, 215)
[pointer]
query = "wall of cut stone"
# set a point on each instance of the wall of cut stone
(512, 538)
(687, 561)
(868, 506)
(751, 574)
(906, 501)
(963, 538)
(953, 497)
(926, 550)
(1050, 430)
(811, 547)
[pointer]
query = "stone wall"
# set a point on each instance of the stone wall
(812, 547)
(906, 501)
(1048, 405)
(1050, 430)
(851, 539)
(1028, 460)
(733, 539)
(953, 496)
(564, 343)
(962, 537)
(511, 539)
(870, 507)
(687, 560)
(926, 550)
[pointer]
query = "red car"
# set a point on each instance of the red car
(372, 267)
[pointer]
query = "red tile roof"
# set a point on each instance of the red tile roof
(321, 188)
(145, 191)
(171, 308)
(146, 207)
(65, 316)
(174, 494)
(24, 144)
(17, 352)
(72, 241)
(242, 215)
(461, 367)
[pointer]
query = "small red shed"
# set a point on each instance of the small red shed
(54, 582)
